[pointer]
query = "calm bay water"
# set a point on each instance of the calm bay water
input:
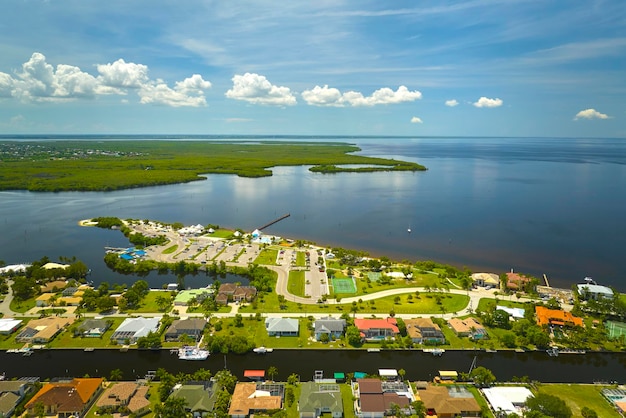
(537, 205)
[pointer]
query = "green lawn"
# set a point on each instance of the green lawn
(22, 306)
(148, 304)
(66, 339)
(296, 283)
(578, 396)
(300, 259)
(171, 250)
(267, 257)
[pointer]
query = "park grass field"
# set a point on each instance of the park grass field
(579, 396)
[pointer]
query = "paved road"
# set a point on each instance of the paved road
(5, 305)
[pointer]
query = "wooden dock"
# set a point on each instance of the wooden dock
(274, 221)
(546, 279)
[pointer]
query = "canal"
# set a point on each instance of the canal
(573, 368)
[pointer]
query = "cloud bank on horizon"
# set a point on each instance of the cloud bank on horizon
(339, 68)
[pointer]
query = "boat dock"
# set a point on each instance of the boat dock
(274, 221)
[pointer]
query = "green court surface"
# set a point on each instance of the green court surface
(343, 285)
(616, 329)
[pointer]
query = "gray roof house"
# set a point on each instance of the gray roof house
(332, 327)
(11, 394)
(316, 399)
(283, 327)
(192, 327)
(93, 327)
(199, 397)
(134, 328)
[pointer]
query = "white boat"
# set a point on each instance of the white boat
(192, 353)
(434, 351)
(262, 350)
(553, 352)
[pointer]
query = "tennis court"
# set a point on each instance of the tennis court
(616, 329)
(344, 285)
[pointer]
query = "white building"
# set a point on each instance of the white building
(134, 328)
(594, 291)
(509, 399)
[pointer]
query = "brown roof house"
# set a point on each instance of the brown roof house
(129, 397)
(424, 331)
(516, 281)
(233, 292)
(449, 402)
(43, 330)
(468, 327)
(374, 401)
(191, 327)
(248, 399)
(66, 399)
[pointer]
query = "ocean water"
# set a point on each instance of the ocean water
(536, 205)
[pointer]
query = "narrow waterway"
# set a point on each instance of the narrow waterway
(573, 368)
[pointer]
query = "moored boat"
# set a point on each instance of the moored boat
(192, 353)
(262, 350)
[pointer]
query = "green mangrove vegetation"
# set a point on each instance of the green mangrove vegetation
(54, 166)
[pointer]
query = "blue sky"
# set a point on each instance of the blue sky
(476, 68)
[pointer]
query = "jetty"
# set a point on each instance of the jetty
(286, 215)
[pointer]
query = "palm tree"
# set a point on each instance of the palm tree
(272, 371)
(116, 374)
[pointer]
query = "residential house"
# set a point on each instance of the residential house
(132, 396)
(486, 280)
(192, 327)
(317, 399)
(45, 299)
(551, 317)
(516, 313)
(377, 329)
(376, 401)
(282, 327)
(516, 281)
(594, 291)
(69, 291)
(43, 330)
(233, 292)
(333, 327)
(199, 397)
(134, 328)
(248, 399)
(468, 327)
(185, 296)
(11, 394)
(66, 399)
(449, 402)
(53, 286)
(424, 331)
(244, 293)
(9, 325)
(69, 301)
(93, 328)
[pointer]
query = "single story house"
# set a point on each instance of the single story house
(134, 328)
(333, 327)
(424, 331)
(93, 328)
(67, 399)
(486, 280)
(11, 394)
(282, 327)
(192, 327)
(468, 327)
(43, 330)
(199, 397)
(439, 401)
(184, 296)
(550, 317)
(131, 395)
(248, 399)
(53, 286)
(508, 399)
(45, 299)
(9, 325)
(377, 329)
(317, 399)
(594, 291)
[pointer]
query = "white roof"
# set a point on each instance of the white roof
(49, 266)
(7, 324)
(595, 289)
(509, 399)
(281, 324)
(139, 326)
(14, 267)
(514, 312)
(387, 372)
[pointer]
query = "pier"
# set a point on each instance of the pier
(546, 279)
(274, 221)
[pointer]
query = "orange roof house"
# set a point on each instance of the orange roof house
(377, 329)
(515, 281)
(248, 399)
(559, 317)
(67, 398)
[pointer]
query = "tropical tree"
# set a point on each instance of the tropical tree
(419, 409)
(173, 407)
(272, 371)
(549, 405)
(482, 376)
(116, 374)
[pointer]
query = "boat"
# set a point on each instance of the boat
(262, 350)
(566, 351)
(89, 349)
(192, 353)
(553, 352)
(434, 351)
(373, 350)
(490, 350)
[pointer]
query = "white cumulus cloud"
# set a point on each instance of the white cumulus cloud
(415, 119)
(6, 85)
(487, 102)
(590, 114)
(257, 89)
(122, 74)
(452, 103)
(189, 92)
(325, 96)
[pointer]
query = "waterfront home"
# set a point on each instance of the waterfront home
(333, 327)
(228, 292)
(53, 286)
(516, 313)
(319, 398)
(93, 328)
(185, 296)
(516, 281)
(132, 396)
(594, 291)
(424, 331)
(66, 398)
(199, 397)
(507, 399)
(377, 329)
(11, 394)
(249, 398)
(375, 399)
(282, 327)
(191, 327)
(9, 325)
(449, 401)
(132, 329)
(468, 327)
(43, 330)
(486, 280)
(558, 317)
